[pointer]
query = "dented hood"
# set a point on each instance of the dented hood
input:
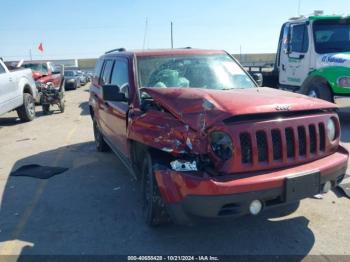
(201, 108)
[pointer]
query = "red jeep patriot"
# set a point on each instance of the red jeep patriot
(205, 140)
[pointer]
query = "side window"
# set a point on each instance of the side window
(2, 69)
(120, 76)
(106, 74)
(285, 37)
(300, 39)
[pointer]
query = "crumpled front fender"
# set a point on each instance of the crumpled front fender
(162, 131)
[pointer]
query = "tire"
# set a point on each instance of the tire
(46, 109)
(27, 111)
(319, 90)
(153, 207)
(62, 105)
(101, 144)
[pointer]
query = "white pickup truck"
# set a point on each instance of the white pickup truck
(17, 92)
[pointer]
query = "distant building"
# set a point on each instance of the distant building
(256, 59)
(88, 64)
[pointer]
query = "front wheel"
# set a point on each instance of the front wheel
(319, 90)
(27, 111)
(153, 207)
(61, 105)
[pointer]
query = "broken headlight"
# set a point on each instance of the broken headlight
(221, 144)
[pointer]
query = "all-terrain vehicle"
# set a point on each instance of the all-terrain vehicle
(51, 95)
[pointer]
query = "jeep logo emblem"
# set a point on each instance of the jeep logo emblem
(283, 107)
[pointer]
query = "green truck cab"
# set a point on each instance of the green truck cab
(313, 57)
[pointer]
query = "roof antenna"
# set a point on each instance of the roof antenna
(299, 7)
(171, 36)
(145, 35)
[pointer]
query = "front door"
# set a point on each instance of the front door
(295, 60)
(103, 106)
(118, 111)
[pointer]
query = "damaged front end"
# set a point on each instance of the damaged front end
(179, 147)
(196, 130)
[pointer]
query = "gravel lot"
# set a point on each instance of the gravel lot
(94, 208)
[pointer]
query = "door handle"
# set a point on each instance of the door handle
(283, 68)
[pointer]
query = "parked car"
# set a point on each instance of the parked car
(44, 74)
(83, 78)
(72, 80)
(205, 140)
(89, 76)
(17, 92)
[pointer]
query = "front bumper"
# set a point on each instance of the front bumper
(198, 195)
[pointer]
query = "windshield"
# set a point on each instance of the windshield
(332, 36)
(68, 73)
(36, 67)
(192, 71)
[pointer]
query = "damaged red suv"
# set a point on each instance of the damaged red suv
(205, 141)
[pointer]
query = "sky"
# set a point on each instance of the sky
(86, 29)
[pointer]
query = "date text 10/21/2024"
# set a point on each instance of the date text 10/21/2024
(173, 258)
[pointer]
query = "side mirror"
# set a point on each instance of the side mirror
(258, 77)
(287, 49)
(112, 93)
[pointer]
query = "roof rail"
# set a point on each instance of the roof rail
(297, 18)
(187, 47)
(116, 50)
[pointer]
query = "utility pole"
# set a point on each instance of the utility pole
(172, 38)
(299, 7)
(145, 35)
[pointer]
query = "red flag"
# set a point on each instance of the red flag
(41, 48)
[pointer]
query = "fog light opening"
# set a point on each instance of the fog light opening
(184, 166)
(327, 187)
(255, 207)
